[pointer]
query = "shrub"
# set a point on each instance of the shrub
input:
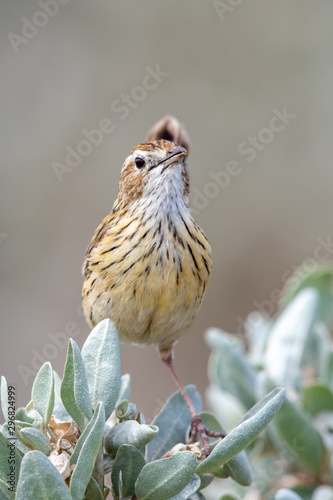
(295, 350)
(78, 430)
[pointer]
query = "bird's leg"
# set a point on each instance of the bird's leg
(197, 426)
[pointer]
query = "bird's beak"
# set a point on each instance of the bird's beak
(173, 155)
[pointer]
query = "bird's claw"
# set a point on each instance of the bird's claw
(198, 427)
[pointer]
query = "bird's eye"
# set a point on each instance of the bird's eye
(139, 162)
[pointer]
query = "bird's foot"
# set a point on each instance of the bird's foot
(198, 427)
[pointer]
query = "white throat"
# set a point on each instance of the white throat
(164, 194)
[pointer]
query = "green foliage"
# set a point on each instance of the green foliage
(89, 444)
(40, 479)
(172, 421)
(81, 431)
(128, 463)
(101, 357)
(42, 394)
(166, 477)
(74, 388)
(295, 350)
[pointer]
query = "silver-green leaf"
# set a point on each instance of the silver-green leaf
(317, 398)
(39, 479)
(74, 387)
(289, 340)
(8, 450)
(125, 388)
(242, 435)
(227, 407)
(294, 429)
(93, 491)
(5, 493)
(36, 440)
(189, 489)
(323, 492)
(88, 452)
(319, 279)
(101, 357)
(82, 439)
(165, 478)
(129, 462)
(42, 394)
(128, 432)
(228, 367)
(239, 469)
(172, 421)
(4, 398)
(199, 496)
(286, 494)
(59, 410)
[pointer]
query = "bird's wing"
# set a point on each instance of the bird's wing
(97, 238)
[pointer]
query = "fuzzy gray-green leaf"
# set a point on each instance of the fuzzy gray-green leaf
(165, 478)
(205, 479)
(228, 497)
(299, 436)
(289, 340)
(93, 491)
(59, 410)
(74, 387)
(198, 496)
(242, 435)
(4, 398)
(172, 421)
(286, 494)
(8, 449)
(36, 440)
(228, 367)
(22, 416)
(42, 394)
(82, 439)
(320, 279)
(129, 462)
(125, 388)
(88, 453)
(39, 479)
(101, 357)
(239, 469)
(323, 492)
(129, 432)
(189, 489)
(5, 493)
(225, 405)
(294, 429)
(317, 398)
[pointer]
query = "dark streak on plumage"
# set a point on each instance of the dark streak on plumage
(160, 244)
(124, 227)
(110, 250)
(130, 267)
(194, 238)
(150, 251)
(192, 255)
(205, 263)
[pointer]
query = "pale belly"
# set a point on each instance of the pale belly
(150, 303)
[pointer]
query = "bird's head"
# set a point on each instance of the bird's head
(154, 170)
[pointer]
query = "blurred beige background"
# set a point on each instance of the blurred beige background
(225, 69)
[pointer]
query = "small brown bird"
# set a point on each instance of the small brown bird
(148, 264)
